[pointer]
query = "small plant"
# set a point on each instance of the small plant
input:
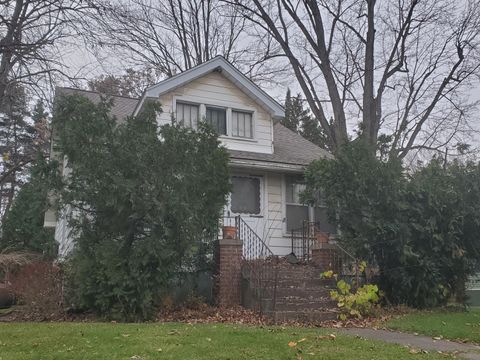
(353, 303)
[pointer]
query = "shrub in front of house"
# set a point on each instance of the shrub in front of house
(420, 227)
(145, 201)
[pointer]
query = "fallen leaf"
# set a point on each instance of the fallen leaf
(302, 340)
(292, 344)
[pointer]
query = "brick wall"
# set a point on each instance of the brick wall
(229, 272)
(326, 258)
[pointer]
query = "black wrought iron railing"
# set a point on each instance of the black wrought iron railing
(259, 266)
(309, 236)
(303, 240)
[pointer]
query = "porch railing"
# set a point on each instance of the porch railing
(259, 266)
(306, 238)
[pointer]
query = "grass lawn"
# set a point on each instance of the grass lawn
(453, 325)
(183, 341)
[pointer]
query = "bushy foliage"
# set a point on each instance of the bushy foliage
(354, 301)
(145, 200)
(419, 228)
(23, 228)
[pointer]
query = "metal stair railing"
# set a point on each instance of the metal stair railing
(259, 264)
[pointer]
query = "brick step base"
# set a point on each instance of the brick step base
(301, 295)
(303, 316)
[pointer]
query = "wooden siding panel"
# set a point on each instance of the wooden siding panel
(215, 89)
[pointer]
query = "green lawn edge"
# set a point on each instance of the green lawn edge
(187, 341)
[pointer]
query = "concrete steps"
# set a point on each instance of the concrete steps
(301, 295)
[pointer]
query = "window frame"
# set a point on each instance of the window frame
(214, 107)
(311, 209)
(252, 124)
(190, 103)
(192, 100)
(261, 195)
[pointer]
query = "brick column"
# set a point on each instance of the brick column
(323, 256)
(229, 267)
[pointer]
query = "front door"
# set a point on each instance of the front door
(247, 200)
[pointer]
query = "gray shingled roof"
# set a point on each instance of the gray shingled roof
(122, 106)
(289, 147)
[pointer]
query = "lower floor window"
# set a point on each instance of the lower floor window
(298, 213)
(245, 197)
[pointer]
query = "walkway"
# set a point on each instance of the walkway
(466, 351)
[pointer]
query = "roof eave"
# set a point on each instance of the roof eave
(232, 73)
(267, 165)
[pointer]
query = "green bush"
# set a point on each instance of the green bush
(419, 227)
(354, 301)
(146, 202)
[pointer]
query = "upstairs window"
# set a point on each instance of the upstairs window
(187, 114)
(217, 119)
(242, 124)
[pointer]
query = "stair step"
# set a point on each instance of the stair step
(307, 293)
(303, 316)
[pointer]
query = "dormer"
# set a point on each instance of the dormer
(219, 94)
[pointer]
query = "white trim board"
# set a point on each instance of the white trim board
(218, 63)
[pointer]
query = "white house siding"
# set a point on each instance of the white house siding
(214, 89)
(276, 238)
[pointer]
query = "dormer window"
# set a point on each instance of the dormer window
(217, 119)
(188, 114)
(242, 124)
(239, 124)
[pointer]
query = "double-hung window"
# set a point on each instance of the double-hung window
(225, 121)
(217, 119)
(187, 114)
(297, 212)
(242, 124)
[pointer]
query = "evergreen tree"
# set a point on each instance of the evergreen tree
(146, 200)
(299, 120)
(291, 120)
(23, 137)
(22, 229)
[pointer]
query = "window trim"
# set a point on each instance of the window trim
(214, 107)
(311, 209)
(262, 199)
(252, 113)
(191, 103)
(192, 100)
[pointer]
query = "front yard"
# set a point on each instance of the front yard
(454, 325)
(184, 341)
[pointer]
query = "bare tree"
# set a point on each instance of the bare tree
(171, 36)
(30, 33)
(398, 68)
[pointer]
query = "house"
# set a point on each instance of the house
(267, 160)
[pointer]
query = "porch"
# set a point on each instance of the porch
(287, 287)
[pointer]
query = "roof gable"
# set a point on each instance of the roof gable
(229, 71)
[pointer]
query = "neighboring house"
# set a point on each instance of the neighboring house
(267, 160)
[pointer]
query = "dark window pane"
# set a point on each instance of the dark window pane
(322, 222)
(217, 119)
(296, 215)
(245, 195)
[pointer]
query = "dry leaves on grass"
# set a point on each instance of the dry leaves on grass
(209, 314)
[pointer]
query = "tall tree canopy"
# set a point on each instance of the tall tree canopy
(395, 68)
